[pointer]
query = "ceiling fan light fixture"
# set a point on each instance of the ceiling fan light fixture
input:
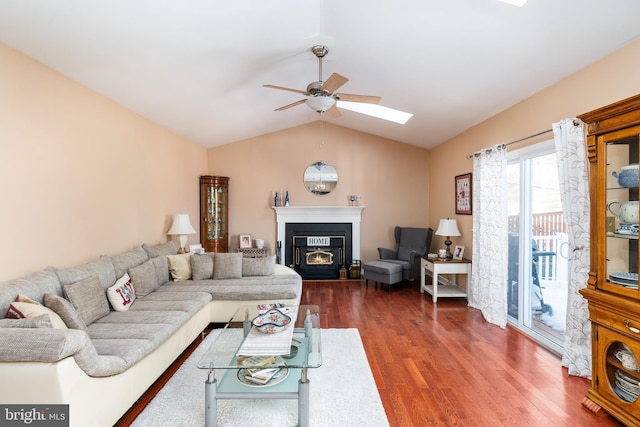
(320, 104)
(376, 110)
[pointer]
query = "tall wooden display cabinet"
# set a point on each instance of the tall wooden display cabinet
(214, 213)
(613, 144)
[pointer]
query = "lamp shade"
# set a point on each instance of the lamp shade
(448, 227)
(181, 225)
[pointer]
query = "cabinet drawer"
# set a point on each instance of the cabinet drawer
(622, 322)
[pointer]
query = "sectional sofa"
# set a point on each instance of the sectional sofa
(96, 336)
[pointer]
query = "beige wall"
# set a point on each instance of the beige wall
(81, 175)
(391, 177)
(608, 80)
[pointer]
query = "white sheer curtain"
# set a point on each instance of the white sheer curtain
(488, 290)
(574, 189)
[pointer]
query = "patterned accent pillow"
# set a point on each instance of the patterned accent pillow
(202, 266)
(144, 278)
(262, 266)
(180, 266)
(89, 299)
(42, 321)
(26, 308)
(228, 265)
(121, 294)
(65, 310)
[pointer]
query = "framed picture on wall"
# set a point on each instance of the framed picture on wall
(463, 194)
(245, 241)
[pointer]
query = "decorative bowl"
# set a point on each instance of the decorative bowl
(271, 322)
(628, 176)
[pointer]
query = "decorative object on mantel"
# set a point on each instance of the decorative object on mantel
(286, 199)
(448, 227)
(275, 199)
(181, 227)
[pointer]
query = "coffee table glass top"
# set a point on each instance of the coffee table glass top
(240, 346)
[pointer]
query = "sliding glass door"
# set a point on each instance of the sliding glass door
(536, 285)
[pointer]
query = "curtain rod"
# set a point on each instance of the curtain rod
(575, 123)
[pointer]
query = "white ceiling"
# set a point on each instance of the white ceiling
(198, 66)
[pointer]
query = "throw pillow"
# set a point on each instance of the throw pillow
(42, 321)
(144, 278)
(65, 310)
(202, 266)
(262, 266)
(26, 308)
(168, 248)
(162, 269)
(228, 265)
(89, 299)
(180, 266)
(121, 294)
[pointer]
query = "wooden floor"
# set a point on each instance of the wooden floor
(442, 365)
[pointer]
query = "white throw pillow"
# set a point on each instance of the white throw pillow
(121, 295)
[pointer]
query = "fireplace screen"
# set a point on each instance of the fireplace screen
(319, 257)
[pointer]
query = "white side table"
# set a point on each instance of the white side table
(436, 267)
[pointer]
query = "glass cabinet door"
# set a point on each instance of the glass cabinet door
(621, 211)
(214, 212)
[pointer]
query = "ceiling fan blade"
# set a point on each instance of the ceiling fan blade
(334, 82)
(333, 112)
(290, 105)
(285, 88)
(358, 98)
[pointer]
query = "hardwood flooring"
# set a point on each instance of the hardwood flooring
(442, 364)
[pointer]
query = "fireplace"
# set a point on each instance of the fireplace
(318, 250)
(318, 241)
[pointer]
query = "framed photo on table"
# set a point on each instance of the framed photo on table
(458, 252)
(463, 194)
(245, 241)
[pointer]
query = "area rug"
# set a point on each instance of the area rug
(343, 392)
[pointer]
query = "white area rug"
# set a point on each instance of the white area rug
(343, 393)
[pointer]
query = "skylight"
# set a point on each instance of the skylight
(519, 3)
(376, 110)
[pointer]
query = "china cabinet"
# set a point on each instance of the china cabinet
(214, 213)
(612, 288)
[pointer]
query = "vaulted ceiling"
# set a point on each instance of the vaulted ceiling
(198, 66)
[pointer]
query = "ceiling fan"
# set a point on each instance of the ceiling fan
(322, 96)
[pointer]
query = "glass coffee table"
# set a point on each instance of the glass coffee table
(246, 364)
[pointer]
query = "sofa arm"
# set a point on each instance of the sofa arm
(387, 253)
(40, 344)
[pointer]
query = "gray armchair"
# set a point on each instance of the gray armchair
(411, 245)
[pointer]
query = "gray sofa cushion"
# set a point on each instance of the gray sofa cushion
(261, 266)
(202, 266)
(88, 298)
(102, 268)
(162, 269)
(144, 278)
(227, 265)
(163, 249)
(189, 302)
(42, 321)
(65, 310)
(123, 262)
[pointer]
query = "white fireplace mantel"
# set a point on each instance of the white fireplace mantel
(319, 214)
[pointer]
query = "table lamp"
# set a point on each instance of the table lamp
(448, 227)
(181, 227)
